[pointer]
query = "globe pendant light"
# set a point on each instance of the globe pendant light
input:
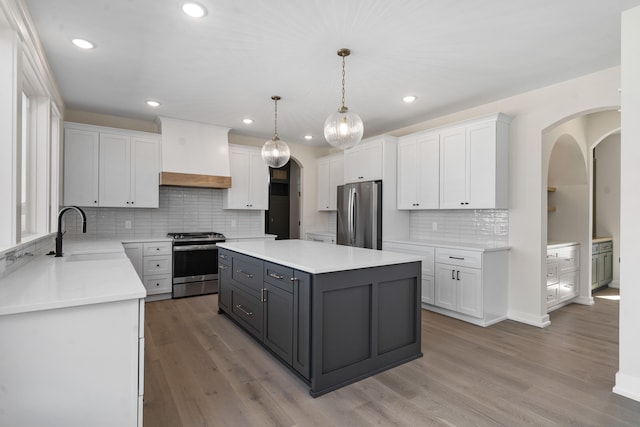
(343, 129)
(275, 152)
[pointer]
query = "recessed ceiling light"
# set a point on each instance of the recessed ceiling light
(247, 121)
(153, 103)
(409, 98)
(194, 10)
(308, 137)
(83, 44)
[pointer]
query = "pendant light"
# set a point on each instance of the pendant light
(275, 152)
(343, 129)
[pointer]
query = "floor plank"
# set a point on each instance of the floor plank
(203, 370)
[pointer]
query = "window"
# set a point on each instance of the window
(27, 171)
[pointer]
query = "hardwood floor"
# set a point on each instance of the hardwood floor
(202, 370)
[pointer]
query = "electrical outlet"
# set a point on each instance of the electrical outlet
(434, 226)
(127, 224)
(233, 222)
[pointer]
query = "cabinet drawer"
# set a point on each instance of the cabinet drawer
(278, 276)
(157, 284)
(459, 257)
(552, 294)
(426, 252)
(552, 273)
(605, 246)
(568, 286)
(156, 248)
(247, 310)
(247, 271)
(568, 259)
(156, 265)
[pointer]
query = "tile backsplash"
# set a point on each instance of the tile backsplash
(181, 209)
(486, 226)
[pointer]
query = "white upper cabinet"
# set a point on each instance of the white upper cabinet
(474, 164)
(365, 161)
(249, 180)
(330, 175)
(81, 148)
(128, 171)
(418, 171)
(119, 168)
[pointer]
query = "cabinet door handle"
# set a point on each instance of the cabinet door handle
(222, 256)
(276, 276)
(457, 257)
(222, 267)
(157, 265)
(453, 275)
(294, 279)
(458, 275)
(249, 276)
(241, 308)
(263, 294)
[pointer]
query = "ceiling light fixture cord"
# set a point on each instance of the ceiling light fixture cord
(343, 107)
(275, 121)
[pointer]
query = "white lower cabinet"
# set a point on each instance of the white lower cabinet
(563, 275)
(75, 366)
(468, 284)
(153, 261)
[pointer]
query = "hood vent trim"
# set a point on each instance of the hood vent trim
(175, 179)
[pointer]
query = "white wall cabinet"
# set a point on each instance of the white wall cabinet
(249, 180)
(128, 171)
(419, 171)
(330, 175)
(474, 164)
(81, 161)
(109, 167)
(365, 161)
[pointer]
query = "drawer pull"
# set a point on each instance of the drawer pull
(157, 249)
(568, 259)
(241, 308)
(294, 279)
(458, 275)
(263, 294)
(276, 276)
(222, 267)
(456, 257)
(550, 297)
(222, 256)
(550, 274)
(249, 276)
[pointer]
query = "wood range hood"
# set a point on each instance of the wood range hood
(177, 179)
(194, 154)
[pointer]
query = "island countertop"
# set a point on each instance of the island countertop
(317, 257)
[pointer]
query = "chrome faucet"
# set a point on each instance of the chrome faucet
(60, 233)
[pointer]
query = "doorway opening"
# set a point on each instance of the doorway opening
(283, 216)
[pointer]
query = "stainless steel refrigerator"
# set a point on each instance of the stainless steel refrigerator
(360, 214)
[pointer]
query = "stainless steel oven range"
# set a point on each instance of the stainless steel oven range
(195, 263)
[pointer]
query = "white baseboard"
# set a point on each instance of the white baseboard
(529, 319)
(627, 386)
(584, 300)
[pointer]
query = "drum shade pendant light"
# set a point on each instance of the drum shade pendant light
(275, 152)
(343, 129)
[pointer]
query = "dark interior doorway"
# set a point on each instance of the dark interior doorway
(283, 216)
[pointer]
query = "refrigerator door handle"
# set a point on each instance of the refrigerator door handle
(350, 217)
(354, 216)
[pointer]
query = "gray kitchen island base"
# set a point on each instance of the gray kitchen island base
(332, 328)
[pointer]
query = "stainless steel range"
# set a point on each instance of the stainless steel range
(195, 263)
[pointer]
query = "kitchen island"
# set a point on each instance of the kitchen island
(332, 314)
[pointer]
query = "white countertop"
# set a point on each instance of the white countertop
(317, 257)
(451, 245)
(90, 272)
(556, 245)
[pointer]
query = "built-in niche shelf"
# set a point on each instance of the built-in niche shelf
(551, 190)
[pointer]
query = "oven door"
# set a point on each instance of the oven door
(195, 263)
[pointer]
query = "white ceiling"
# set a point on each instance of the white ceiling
(226, 66)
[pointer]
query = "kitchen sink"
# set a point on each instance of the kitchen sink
(93, 256)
